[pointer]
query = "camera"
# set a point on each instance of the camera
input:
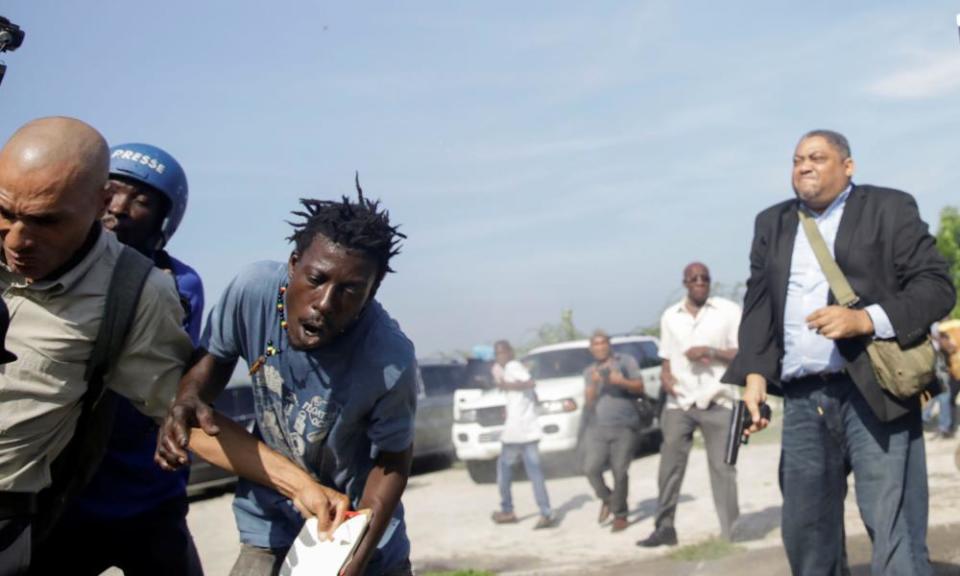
(11, 37)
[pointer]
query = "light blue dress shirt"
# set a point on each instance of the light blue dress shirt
(804, 351)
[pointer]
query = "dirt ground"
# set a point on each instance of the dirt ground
(770, 561)
(450, 528)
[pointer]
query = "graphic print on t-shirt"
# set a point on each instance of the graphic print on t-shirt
(307, 420)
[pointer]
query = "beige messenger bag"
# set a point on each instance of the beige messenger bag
(901, 372)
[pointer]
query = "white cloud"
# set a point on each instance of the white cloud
(938, 74)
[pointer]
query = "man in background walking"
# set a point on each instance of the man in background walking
(613, 385)
(698, 338)
(521, 435)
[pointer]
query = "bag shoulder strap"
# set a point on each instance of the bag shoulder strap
(838, 282)
(123, 295)
(73, 468)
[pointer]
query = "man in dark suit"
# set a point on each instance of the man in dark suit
(796, 340)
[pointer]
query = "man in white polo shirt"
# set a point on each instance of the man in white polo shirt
(521, 435)
(698, 338)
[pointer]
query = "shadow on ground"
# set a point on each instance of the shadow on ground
(647, 508)
(575, 503)
(756, 525)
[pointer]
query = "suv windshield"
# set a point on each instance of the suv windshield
(442, 379)
(477, 374)
(559, 363)
(573, 361)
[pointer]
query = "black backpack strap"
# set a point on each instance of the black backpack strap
(123, 295)
(75, 466)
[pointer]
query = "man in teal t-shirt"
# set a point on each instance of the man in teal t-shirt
(335, 383)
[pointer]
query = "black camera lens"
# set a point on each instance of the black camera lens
(11, 36)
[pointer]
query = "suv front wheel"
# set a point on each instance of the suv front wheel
(482, 471)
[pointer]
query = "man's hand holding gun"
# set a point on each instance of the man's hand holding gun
(751, 414)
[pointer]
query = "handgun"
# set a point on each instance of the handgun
(740, 420)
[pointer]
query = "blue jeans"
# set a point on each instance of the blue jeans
(531, 462)
(945, 401)
(828, 431)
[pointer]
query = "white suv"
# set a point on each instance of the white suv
(478, 414)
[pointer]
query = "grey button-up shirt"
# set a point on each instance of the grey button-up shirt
(53, 325)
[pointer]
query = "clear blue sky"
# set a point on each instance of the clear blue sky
(540, 155)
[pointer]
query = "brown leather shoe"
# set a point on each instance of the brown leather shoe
(499, 517)
(619, 524)
(604, 513)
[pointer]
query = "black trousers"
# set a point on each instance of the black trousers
(155, 543)
(611, 446)
(15, 545)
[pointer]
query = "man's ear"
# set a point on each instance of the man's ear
(163, 207)
(373, 290)
(848, 167)
(292, 264)
(104, 198)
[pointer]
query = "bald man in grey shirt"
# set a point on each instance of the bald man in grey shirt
(56, 268)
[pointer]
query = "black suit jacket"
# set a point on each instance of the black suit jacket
(889, 258)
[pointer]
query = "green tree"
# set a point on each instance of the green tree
(948, 241)
(735, 291)
(551, 333)
(652, 330)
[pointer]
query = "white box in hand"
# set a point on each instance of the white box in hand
(311, 555)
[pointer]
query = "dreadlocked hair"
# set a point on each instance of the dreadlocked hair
(359, 225)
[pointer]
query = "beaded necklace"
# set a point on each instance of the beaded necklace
(271, 349)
